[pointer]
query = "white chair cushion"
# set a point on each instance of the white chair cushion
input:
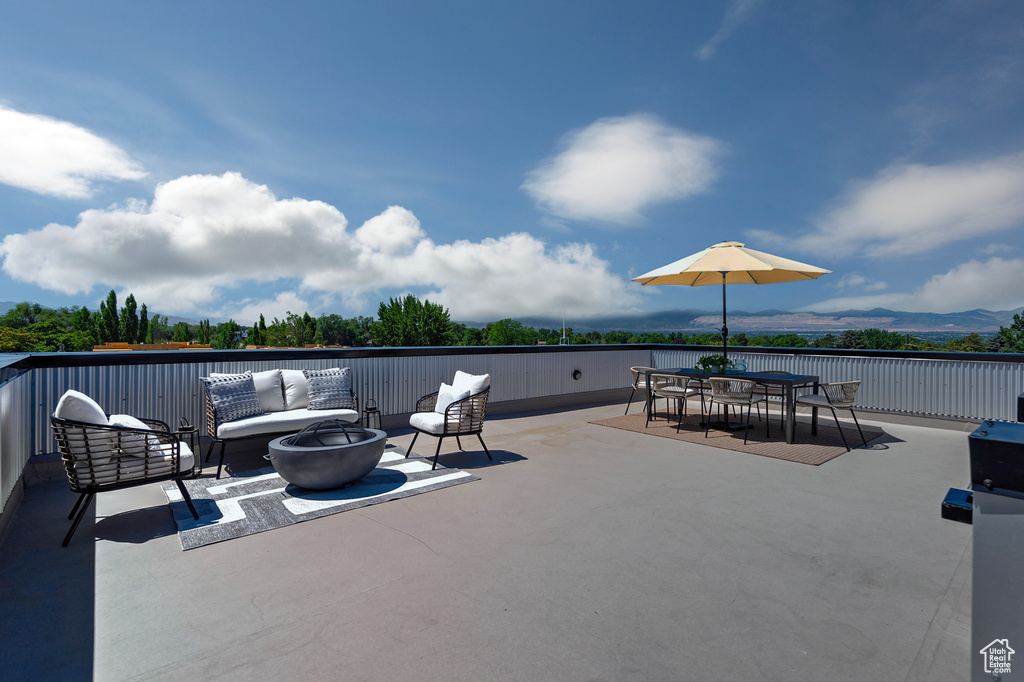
(281, 422)
(79, 407)
(816, 400)
(474, 383)
(296, 391)
(135, 444)
(122, 469)
(429, 422)
(446, 395)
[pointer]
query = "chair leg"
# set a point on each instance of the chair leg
(220, 464)
(485, 447)
(747, 429)
(437, 453)
(77, 503)
(707, 422)
(209, 451)
(630, 401)
(840, 427)
(415, 435)
(188, 498)
(459, 443)
(854, 415)
(87, 498)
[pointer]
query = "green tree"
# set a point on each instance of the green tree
(1009, 339)
(128, 323)
(473, 336)
(788, 341)
(143, 333)
(509, 332)
(410, 322)
(880, 339)
(203, 337)
(182, 333)
(21, 315)
(826, 341)
(972, 343)
(109, 329)
(225, 336)
(851, 338)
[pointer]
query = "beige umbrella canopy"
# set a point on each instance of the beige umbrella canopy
(730, 262)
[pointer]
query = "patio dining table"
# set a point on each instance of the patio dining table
(788, 382)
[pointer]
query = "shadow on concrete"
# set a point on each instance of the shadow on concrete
(137, 526)
(47, 592)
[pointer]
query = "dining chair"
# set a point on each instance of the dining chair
(672, 387)
(735, 392)
(640, 382)
(836, 395)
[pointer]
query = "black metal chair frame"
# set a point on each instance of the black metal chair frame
(638, 377)
(462, 418)
(682, 406)
(213, 421)
(750, 403)
(101, 440)
(837, 388)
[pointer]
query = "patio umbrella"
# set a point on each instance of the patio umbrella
(730, 262)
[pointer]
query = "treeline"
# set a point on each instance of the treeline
(407, 321)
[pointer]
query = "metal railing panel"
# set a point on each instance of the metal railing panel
(15, 437)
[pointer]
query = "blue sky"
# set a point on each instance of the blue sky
(225, 159)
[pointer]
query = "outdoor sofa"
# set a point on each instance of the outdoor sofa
(275, 401)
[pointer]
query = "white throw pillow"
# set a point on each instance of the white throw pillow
(474, 383)
(79, 407)
(135, 444)
(446, 395)
(296, 391)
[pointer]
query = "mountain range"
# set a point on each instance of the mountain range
(780, 321)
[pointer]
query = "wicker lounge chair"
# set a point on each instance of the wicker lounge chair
(456, 410)
(102, 453)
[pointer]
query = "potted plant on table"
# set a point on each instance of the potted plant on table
(714, 363)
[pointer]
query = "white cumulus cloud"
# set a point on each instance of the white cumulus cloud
(204, 238)
(614, 168)
(995, 284)
(57, 158)
(911, 209)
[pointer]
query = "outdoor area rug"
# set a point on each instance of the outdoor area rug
(807, 449)
(254, 501)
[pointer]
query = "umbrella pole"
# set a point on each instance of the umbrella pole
(725, 329)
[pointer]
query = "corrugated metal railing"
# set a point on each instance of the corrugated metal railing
(15, 437)
(171, 391)
(967, 387)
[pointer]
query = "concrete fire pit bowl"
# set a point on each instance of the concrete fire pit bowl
(327, 455)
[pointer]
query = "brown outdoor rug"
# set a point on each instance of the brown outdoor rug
(807, 449)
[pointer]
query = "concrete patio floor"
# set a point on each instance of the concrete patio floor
(583, 553)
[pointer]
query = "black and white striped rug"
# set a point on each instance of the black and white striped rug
(254, 501)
